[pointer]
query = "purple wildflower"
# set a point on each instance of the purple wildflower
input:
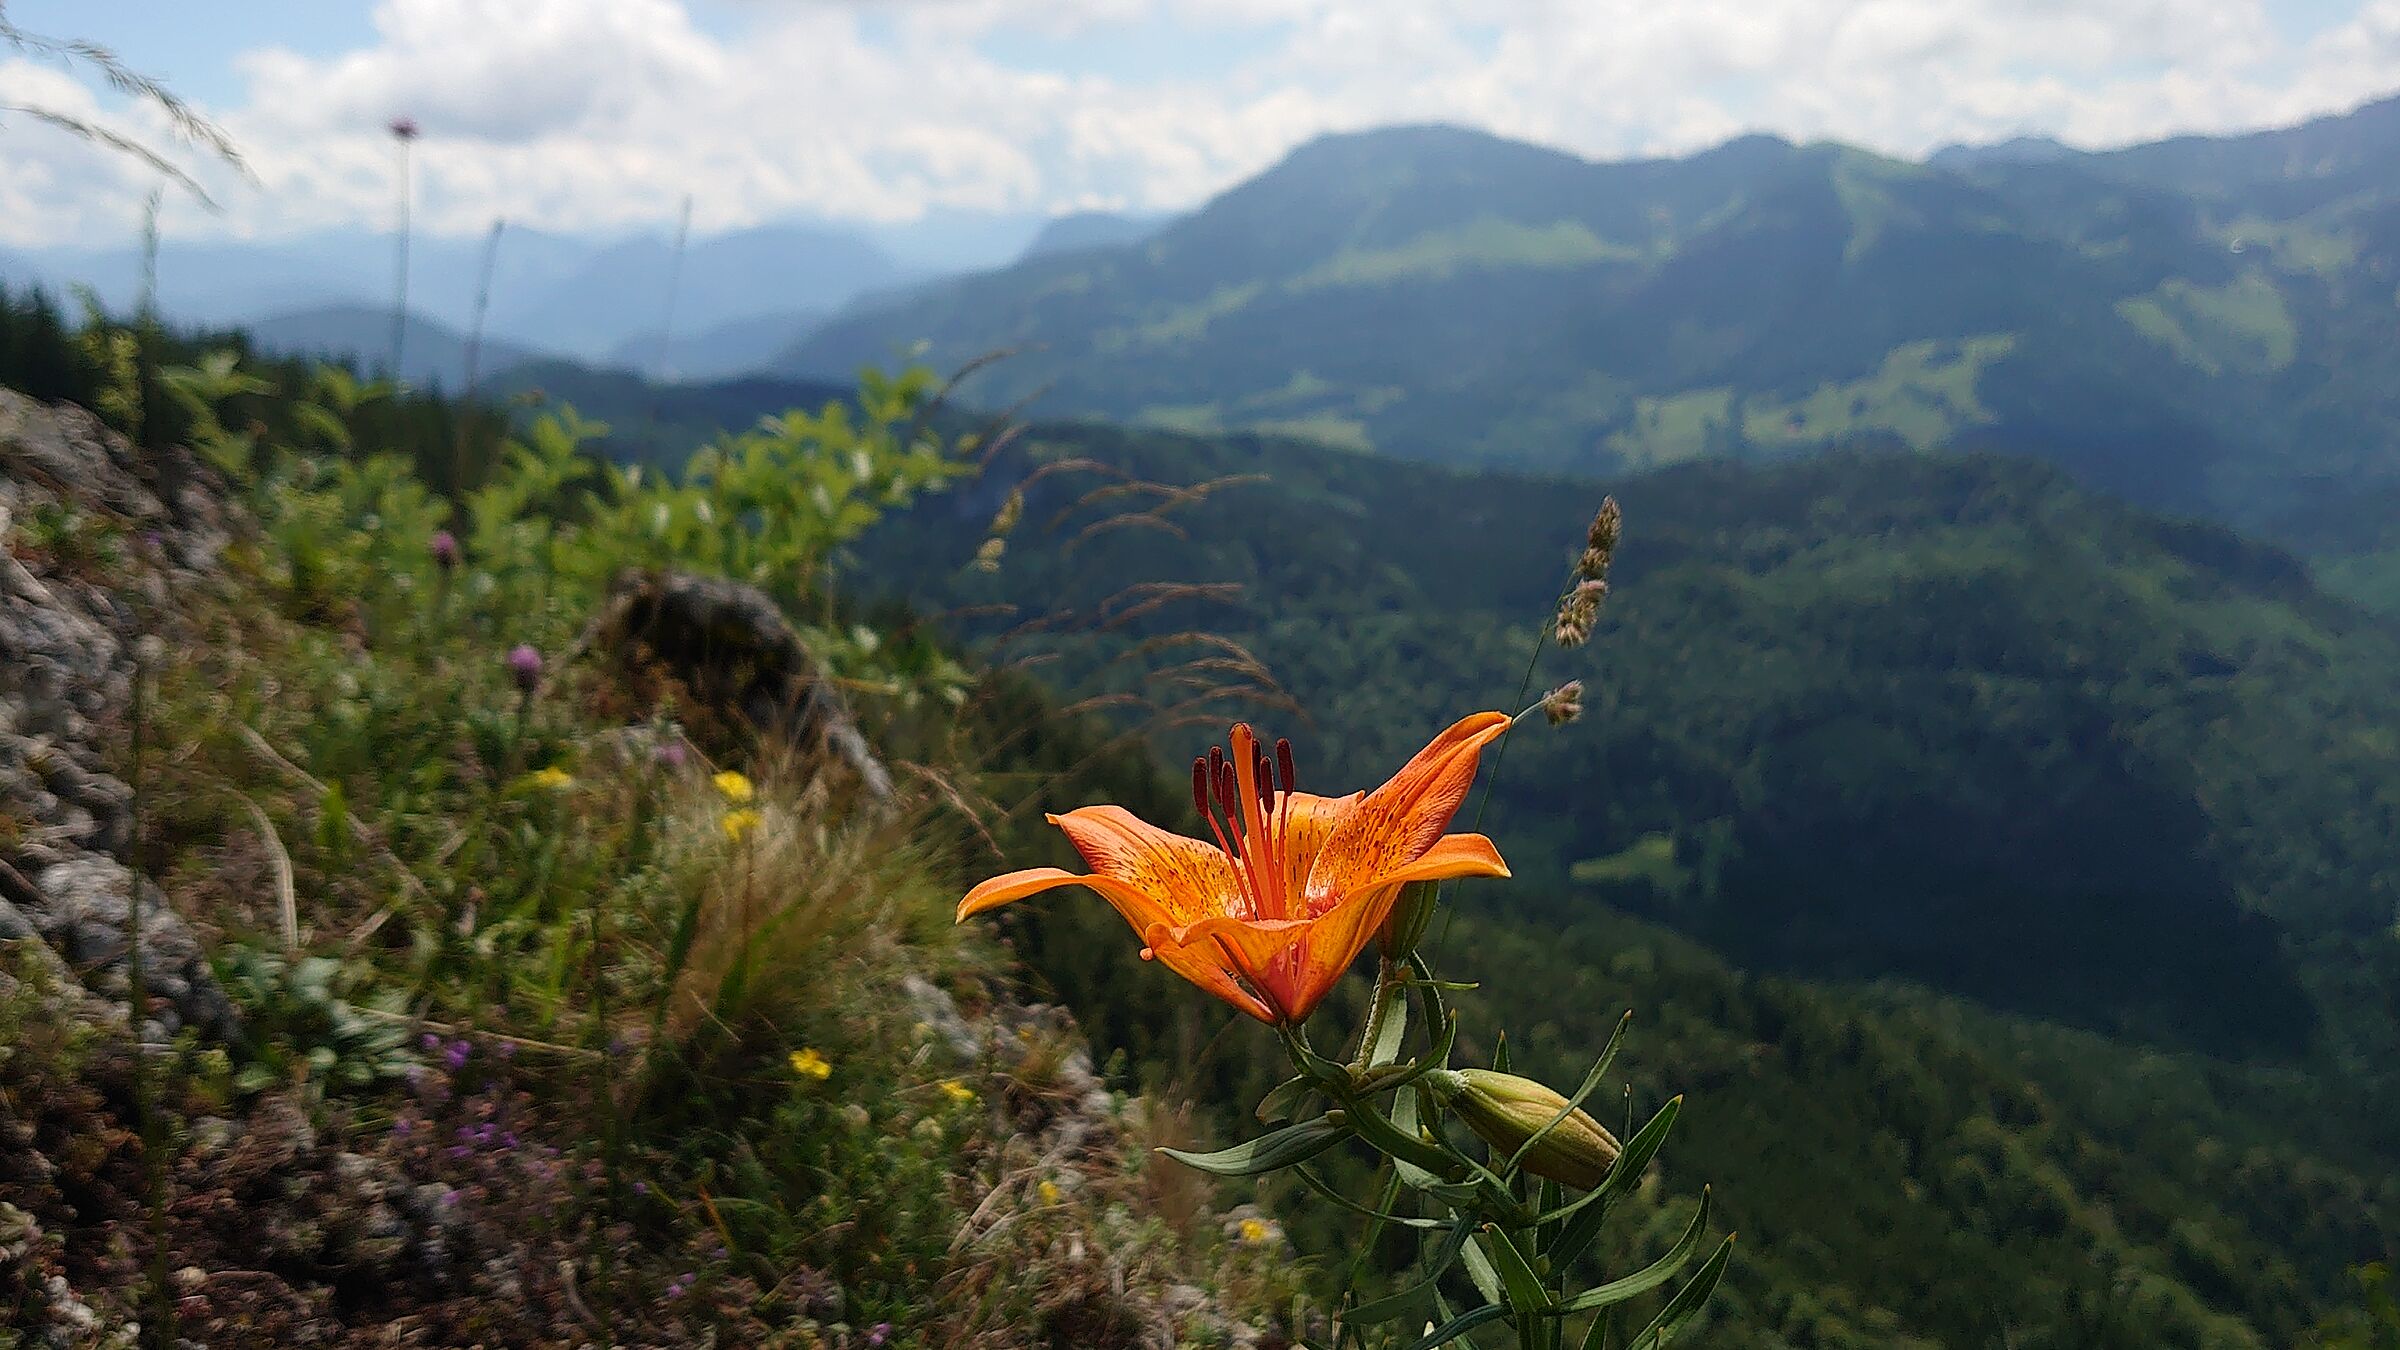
(525, 665)
(403, 127)
(879, 1333)
(445, 549)
(456, 1055)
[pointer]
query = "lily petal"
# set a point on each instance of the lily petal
(1185, 877)
(1399, 821)
(1143, 914)
(1452, 855)
(1307, 821)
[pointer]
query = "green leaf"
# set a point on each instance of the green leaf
(1392, 1031)
(1400, 1303)
(1318, 1184)
(1649, 1277)
(1283, 1098)
(1589, 1212)
(1401, 1146)
(1282, 1148)
(1458, 1326)
(1479, 1269)
(1525, 1291)
(1400, 1075)
(1687, 1302)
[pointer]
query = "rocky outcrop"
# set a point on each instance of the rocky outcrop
(92, 558)
(731, 649)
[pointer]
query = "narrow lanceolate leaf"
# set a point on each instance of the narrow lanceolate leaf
(1479, 1269)
(1649, 1277)
(1404, 1118)
(1282, 1148)
(1392, 1031)
(1437, 1008)
(1687, 1302)
(1401, 1146)
(1318, 1184)
(1405, 1301)
(1524, 1288)
(1458, 1326)
(1392, 1076)
(1284, 1098)
(1592, 1209)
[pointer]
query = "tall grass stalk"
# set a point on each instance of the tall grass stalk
(404, 133)
(159, 1326)
(666, 320)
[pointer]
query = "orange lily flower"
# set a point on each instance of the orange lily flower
(1270, 915)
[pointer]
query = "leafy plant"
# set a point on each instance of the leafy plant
(314, 1023)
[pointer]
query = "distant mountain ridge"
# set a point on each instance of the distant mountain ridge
(2202, 324)
(740, 296)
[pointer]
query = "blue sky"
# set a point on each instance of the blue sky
(604, 114)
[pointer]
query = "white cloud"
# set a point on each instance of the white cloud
(597, 114)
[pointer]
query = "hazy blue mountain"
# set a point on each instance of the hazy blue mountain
(592, 297)
(620, 293)
(1091, 229)
(432, 352)
(2014, 150)
(726, 350)
(2201, 325)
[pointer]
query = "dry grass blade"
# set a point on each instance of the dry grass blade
(100, 135)
(1148, 597)
(287, 895)
(1148, 520)
(951, 792)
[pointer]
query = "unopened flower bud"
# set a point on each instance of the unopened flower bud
(1504, 1111)
(525, 666)
(1563, 704)
(1404, 927)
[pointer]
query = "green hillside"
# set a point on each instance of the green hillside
(1948, 719)
(2201, 325)
(1972, 758)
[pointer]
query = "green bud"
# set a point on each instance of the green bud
(1504, 1111)
(1405, 926)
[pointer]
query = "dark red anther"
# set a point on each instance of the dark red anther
(1283, 767)
(1265, 776)
(1200, 787)
(1228, 795)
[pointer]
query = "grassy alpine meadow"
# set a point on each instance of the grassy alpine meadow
(571, 1002)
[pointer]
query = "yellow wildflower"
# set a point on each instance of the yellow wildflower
(738, 823)
(734, 787)
(1049, 1192)
(957, 1091)
(807, 1063)
(1255, 1231)
(552, 779)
